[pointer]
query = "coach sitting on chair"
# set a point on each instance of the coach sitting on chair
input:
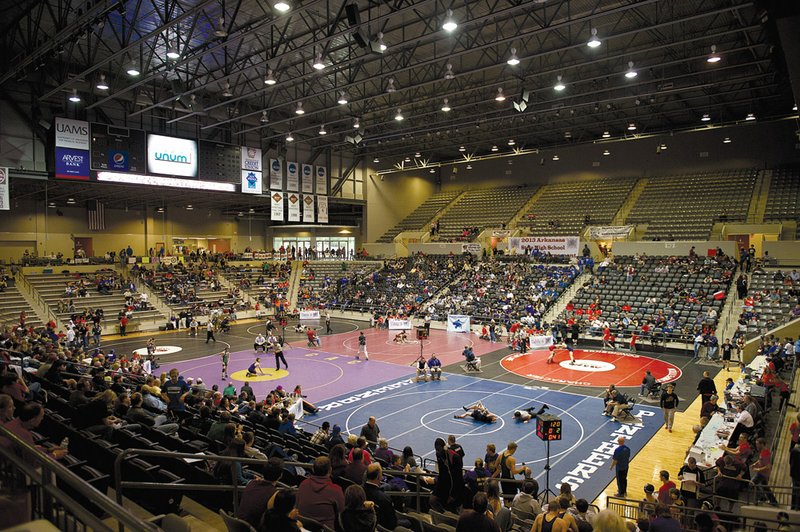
(473, 362)
(619, 401)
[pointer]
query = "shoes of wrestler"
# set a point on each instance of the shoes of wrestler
(366, 357)
(465, 409)
(455, 416)
(357, 358)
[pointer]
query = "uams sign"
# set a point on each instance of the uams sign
(72, 134)
(171, 156)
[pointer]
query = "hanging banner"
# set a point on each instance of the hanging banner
(604, 232)
(307, 177)
(5, 203)
(472, 247)
(322, 181)
(555, 245)
(251, 159)
(275, 175)
(322, 209)
(292, 176)
(308, 208)
(72, 164)
(251, 182)
(276, 212)
(72, 134)
(294, 206)
(458, 323)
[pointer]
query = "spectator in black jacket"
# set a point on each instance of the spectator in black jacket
(387, 516)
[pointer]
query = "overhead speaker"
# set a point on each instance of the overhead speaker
(353, 14)
(361, 40)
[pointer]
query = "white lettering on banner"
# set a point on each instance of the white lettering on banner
(307, 179)
(275, 174)
(80, 261)
(5, 202)
(602, 232)
(458, 323)
(602, 454)
(138, 179)
(72, 134)
(308, 208)
(262, 255)
(322, 209)
(292, 176)
(555, 245)
(247, 255)
(294, 207)
(399, 325)
(472, 247)
(309, 314)
(364, 395)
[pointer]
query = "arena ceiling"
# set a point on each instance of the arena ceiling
(203, 65)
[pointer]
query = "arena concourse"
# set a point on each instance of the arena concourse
(283, 266)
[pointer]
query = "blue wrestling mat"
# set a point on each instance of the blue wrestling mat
(415, 414)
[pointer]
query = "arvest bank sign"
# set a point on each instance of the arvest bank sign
(73, 134)
(171, 156)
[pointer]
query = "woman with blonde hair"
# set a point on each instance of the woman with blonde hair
(609, 521)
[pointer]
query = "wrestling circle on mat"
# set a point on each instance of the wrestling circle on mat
(269, 375)
(591, 368)
(160, 350)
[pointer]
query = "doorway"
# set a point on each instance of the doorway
(83, 247)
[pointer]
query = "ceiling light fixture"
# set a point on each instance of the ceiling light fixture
(356, 124)
(513, 60)
(469, 167)
(714, 57)
(226, 92)
(606, 135)
(663, 147)
(74, 98)
(322, 130)
(559, 86)
(631, 127)
(494, 148)
(51, 205)
(500, 96)
(289, 137)
(407, 159)
(342, 98)
(381, 45)
(390, 86)
(299, 109)
(399, 115)
(221, 32)
(462, 149)
(417, 155)
(750, 116)
(606, 152)
(594, 42)
(282, 6)
(631, 73)
(448, 73)
(726, 140)
(318, 64)
(101, 83)
(511, 142)
(173, 52)
(450, 24)
(189, 207)
(376, 160)
(555, 157)
(71, 201)
(264, 118)
(432, 171)
(794, 107)
(133, 71)
(705, 118)
(446, 106)
(270, 79)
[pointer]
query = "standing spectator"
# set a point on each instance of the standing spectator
(762, 469)
(371, 431)
(691, 478)
(794, 472)
(699, 340)
(362, 346)
(713, 345)
(620, 462)
(476, 520)
(210, 331)
(318, 497)
(663, 491)
(669, 403)
(123, 324)
(706, 387)
(174, 391)
(727, 352)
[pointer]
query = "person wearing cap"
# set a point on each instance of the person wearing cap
(336, 437)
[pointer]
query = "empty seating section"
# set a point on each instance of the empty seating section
(74, 292)
(12, 304)
(566, 208)
(773, 298)
(783, 202)
(422, 215)
(685, 207)
(265, 283)
(402, 286)
(195, 286)
(504, 291)
(482, 208)
(320, 281)
(674, 296)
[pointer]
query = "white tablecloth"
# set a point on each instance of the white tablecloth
(707, 449)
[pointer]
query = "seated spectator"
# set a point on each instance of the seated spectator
(584, 515)
(383, 452)
(384, 509)
(258, 492)
(283, 515)
(610, 521)
(477, 520)
(354, 471)
(525, 501)
(359, 513)
(664, 521)
(318, 497)
(223, 471)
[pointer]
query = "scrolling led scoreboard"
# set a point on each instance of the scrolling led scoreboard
(548, 427)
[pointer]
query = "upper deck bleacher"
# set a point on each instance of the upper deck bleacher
(483, 208)
(421, 215)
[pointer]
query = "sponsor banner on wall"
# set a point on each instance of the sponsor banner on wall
(275, 175)
(72, 164)
(118, 160)
(72, 134)
(251, 182)
(539, 341)
(172, 156)
(276, 212)
(262, 255)
(458, 323)
(471, 247)
(307, 176)
(399, 325)
(5, 203)
(308, 208)
(322, 209)
(322, 181)
(294, 206)
(604, 232)
(251, 159)
(555, 245)
(309, 314)
(292, 176)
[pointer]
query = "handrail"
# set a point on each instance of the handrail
(48, 471)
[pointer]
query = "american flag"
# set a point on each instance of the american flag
(97, 215)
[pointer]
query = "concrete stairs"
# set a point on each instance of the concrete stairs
(561, 303)
(427, 227)
(294, 283)
(514, 222)
(627, 206)
(758, 203)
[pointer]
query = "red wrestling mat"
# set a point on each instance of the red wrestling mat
(591, 368)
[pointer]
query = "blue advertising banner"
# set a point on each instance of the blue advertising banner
(72, 164)
(118, 160)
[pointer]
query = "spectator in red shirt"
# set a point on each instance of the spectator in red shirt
(666, 485)
(634, 338)
(762, 469)
(318, 497)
